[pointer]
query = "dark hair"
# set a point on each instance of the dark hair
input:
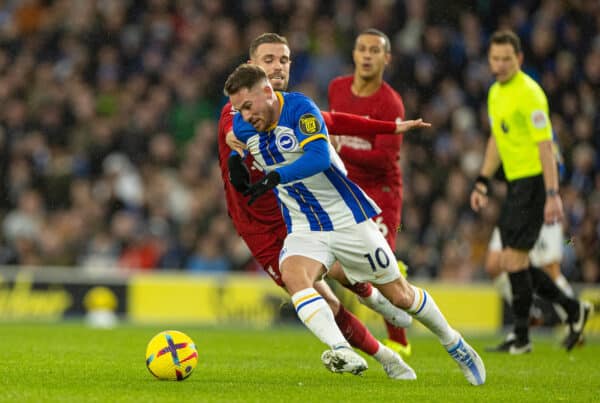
(267, 37)
(376, 32)
(244, 76)
(506, 37)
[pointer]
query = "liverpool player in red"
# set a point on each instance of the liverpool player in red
(372, 159)
(261, 225)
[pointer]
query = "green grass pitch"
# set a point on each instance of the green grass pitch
(72, 363)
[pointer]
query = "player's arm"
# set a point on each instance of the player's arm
(540, 128)
(380, 159)
(315, 159)
(383, 156)
(239, 175)
(340, 123)
(236, 145)
(311, 132)
(491, 163)
(553, 209)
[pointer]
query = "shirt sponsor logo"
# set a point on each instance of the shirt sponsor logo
(309, 124)
(356, 143)
(539, 120)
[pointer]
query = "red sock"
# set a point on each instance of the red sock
(361, 289)
(397, 334)
(355, 332)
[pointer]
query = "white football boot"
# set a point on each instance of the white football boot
(344, 359)
(469, 362)
(395, 367)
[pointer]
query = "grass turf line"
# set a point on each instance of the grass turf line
(72, 363)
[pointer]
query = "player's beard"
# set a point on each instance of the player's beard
(263, 121)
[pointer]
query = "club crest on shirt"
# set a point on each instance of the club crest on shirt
(286, 141)
(538, 118)
(309, 124)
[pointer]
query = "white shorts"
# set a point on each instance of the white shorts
(547, 249)
(361, 249)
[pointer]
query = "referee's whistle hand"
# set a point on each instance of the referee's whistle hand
(478, 201)
(553, 210)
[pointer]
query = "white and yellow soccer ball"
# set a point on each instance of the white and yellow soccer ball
(171, 355)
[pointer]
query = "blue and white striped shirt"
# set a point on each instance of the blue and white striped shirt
(314, 194)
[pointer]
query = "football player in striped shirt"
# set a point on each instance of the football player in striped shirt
(328, 218)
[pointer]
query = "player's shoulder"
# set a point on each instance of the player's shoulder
(493, 90)
(226, 118)
(227, 110)
(528, 84)
(296, 100)
(388, 91)
(341, 81)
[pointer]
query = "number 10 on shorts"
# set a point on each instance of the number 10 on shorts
(378, 259)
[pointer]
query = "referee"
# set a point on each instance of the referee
(521, 141)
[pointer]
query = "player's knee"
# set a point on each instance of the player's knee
(399, 293)
(294, 280)
(514, 260)
(492, 265)
(337, 273)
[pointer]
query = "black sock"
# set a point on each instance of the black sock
(546, 288)
(522, 290)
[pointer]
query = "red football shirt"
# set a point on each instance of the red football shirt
(371, 160)
(264, 212)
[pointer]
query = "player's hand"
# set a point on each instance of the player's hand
(406, 125)
(478, 200)
(480, 193)
(553, 209)
(239, 176)
(234, 143)
(261, 187)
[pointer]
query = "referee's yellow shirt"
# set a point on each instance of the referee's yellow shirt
(518, 112)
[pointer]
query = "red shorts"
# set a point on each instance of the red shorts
(388, 221)
(265, 247)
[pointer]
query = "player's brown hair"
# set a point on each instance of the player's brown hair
(267, 37)
(372, 31)
(506, 37)
(244, 76)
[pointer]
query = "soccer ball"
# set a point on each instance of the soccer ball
(171, 355)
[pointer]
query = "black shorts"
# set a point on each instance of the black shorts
(522, 213)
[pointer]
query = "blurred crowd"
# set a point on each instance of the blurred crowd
(108, 156)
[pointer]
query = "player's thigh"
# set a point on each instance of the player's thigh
(398, 292)
(514, 260)
(522, 213)
(300, 272)
(548, 248)
(337, 273)
(312, 245)
(365, 254)
(265, 248)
